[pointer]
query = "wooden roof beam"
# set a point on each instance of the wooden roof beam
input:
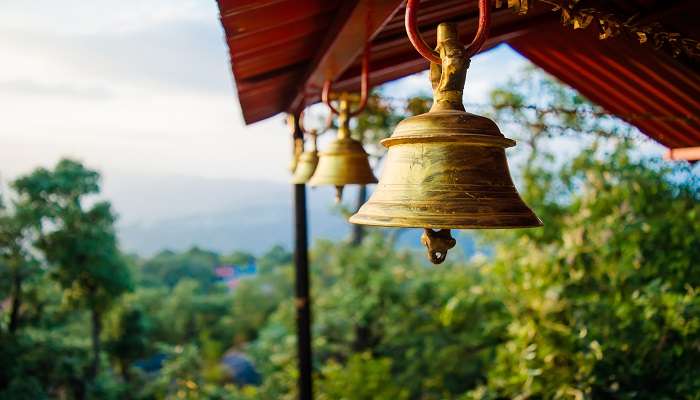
(344, 43)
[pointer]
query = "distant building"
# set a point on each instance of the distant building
(231, 275)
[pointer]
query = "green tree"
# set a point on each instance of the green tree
(17, 260)
(127, 337)
(602, 300)
(238, 257)
(361, 378)
(79, 242)
(187, 375)
(190, 311)
(275, 257)
(607, 307)
(168, 268)
(40, 365)
(375, 302)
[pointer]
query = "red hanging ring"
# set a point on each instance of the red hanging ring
(364, 86)
(426, 51)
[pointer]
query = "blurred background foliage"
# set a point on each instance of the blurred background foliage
(601, 303)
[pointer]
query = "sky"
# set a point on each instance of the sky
(144, 87)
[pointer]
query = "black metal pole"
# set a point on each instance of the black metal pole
(303, 299)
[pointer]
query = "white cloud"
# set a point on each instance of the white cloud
(99, 16)
(137, 86)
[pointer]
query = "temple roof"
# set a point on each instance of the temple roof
(280, 47)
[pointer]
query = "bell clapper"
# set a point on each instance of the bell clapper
(438, 243)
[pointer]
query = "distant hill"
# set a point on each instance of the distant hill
(179, 212)
(223, 215)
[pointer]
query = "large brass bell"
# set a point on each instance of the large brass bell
(446, 169)
(307, 162)
(344, 161)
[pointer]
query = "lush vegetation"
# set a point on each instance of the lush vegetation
(600, 303)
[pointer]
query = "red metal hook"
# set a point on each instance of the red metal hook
(364, 86)
(426, 51)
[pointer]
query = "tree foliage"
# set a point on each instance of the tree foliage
(600, 303)
(607, 306)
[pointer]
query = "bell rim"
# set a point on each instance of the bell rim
(358, 219)
(467, 139)
(305, 178)
(348, 154)
(329, 183)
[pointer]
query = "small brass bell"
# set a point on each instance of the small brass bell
(344, 161)
(295, 161)
(306, 165)
(446, 169)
